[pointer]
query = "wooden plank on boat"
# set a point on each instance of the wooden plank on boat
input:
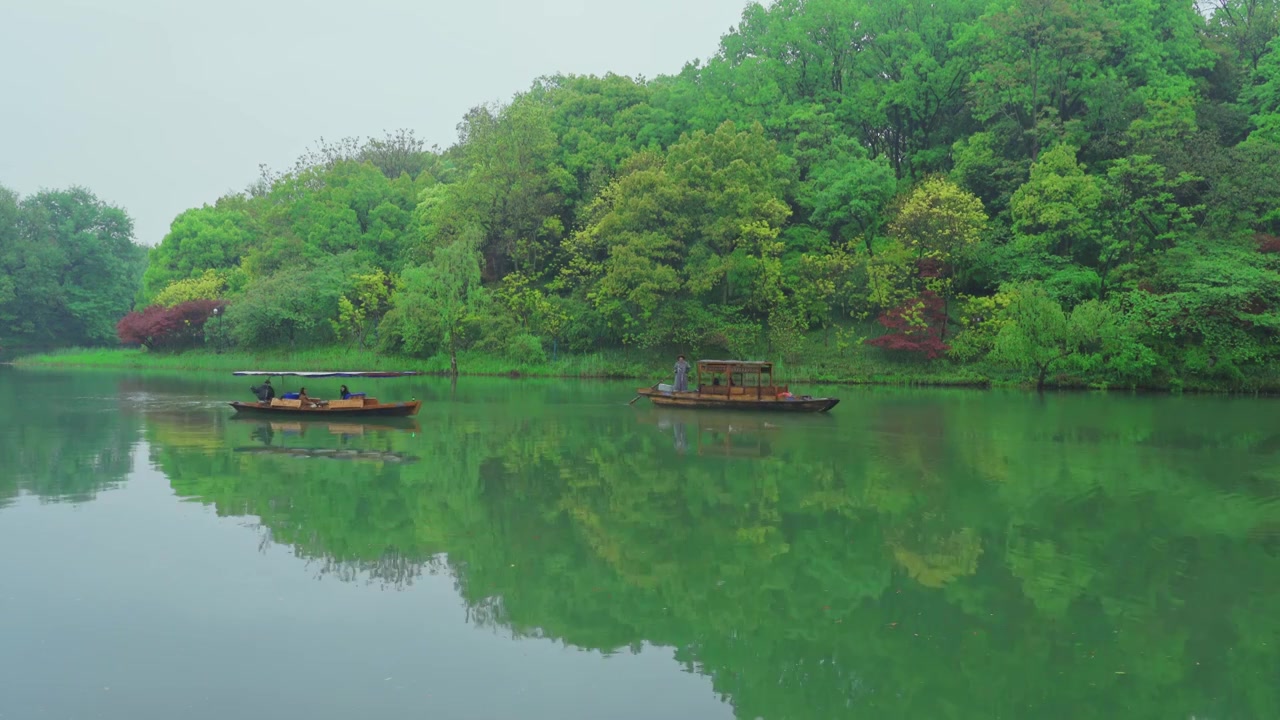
(278, 402)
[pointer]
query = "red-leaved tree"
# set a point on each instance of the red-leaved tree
(161, 328)
(918, 326)
(1267, 243)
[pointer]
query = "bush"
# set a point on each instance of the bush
(918, 325)
(527, 349)
(176, 328)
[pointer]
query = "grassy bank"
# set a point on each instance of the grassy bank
(862, 368)
(638, 366)
(598, 366)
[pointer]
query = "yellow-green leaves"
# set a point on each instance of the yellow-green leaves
(362, 306)
(209, 285)
(891, 274)
(940, 220)
(1036, 332)
(1056, 211)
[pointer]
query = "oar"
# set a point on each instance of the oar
(634, 399)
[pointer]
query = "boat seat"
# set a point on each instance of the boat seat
(278, 402)
(351, 403)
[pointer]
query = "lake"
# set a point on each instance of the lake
(542, 550)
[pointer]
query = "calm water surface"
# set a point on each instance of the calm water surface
(540, 550)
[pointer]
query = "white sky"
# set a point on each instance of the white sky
(162, 105)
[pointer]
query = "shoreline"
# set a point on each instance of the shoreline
(600, 366)
(72, 362)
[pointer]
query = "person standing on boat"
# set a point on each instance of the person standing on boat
(264, 391)
(682, 374)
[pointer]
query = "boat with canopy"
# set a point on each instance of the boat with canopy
(736, 385)
(353, 406)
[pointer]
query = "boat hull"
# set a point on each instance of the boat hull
(694, 401)
(381, 410)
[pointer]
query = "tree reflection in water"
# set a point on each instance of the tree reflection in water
(951, 558)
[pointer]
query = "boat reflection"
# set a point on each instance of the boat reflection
(281, 438)
(714, 434)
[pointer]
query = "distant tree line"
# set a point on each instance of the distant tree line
(1062, 187)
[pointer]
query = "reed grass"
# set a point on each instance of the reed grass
(647, 366)
(595, 365)
(819, 365)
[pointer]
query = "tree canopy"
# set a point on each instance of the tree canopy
(68, 268)
(834, 164)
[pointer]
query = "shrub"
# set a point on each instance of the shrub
(527, 349)
(917, 324)
(175, 328)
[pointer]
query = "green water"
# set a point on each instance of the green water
(541, 550)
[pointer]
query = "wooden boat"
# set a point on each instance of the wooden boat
(354, 408)
(736, 385)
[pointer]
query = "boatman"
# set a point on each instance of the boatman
(682, 374)
(264, 391)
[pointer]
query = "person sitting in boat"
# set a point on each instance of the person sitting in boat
(347, 394)
(682, 374)
(264, 392)
(302, 396)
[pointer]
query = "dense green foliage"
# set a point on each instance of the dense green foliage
(1071, 558)
(68, 266)
(836, 163)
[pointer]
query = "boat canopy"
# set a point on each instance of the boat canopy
(735, 366)
(373, 374)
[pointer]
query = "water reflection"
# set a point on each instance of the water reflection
(318, 439)
(715, 433)
(62, 438)
(932, 554)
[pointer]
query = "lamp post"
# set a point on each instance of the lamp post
(217, 346)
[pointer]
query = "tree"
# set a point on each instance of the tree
(940, 220)
(1038, 61)
(363, 306)
(1056, 212)
(1037, 333)
(1249, 26)
(207, 238)
(513, 192)
(290, 308)
(70, 267)
(434, 301)
(941, 223)
(700, 223)
(918, 325)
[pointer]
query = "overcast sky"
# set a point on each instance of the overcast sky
(162, 105)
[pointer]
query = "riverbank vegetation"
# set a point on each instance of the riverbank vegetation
(1076, 192)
